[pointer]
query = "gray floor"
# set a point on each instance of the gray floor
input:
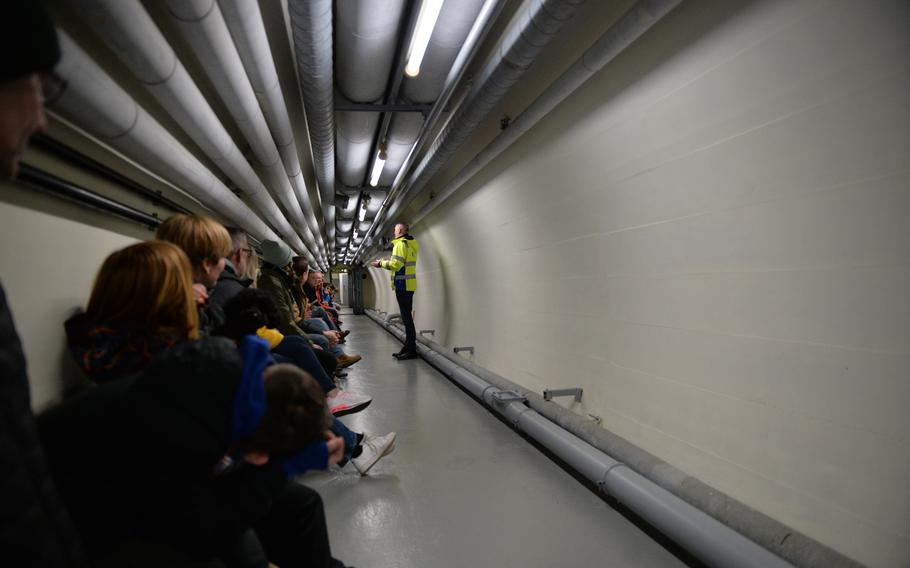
(461, 489)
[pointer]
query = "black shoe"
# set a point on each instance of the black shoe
(340, 374)
(407, 355)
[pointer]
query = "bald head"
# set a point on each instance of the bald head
(401, 229)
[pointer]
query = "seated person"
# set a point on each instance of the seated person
(252, 312)
(141, 305)
(276, 279)
(231, 282)
(311, 285)
(206, 242)
(195, 454)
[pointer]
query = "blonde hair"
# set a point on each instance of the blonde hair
(148, 286)
(201, 238)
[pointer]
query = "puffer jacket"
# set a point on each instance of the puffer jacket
(35, 528)
(141, 457)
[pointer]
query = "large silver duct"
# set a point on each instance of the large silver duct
(204, 28)
(311, 26)
(630, 27)
(244, 19)
(95, 103)
(732, 535)
(533, 27)
(128, 30)
(366, 36)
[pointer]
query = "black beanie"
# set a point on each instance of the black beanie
(28, 40)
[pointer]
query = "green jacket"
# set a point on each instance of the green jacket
(277, 285)
(403, 264)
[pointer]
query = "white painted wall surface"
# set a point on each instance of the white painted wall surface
(712, 237)
(48, 267)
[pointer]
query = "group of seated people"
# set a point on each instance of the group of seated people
(210, 396)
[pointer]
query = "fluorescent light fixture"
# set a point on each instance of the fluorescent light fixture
(377, 167)
(426, 21)
(362, 215)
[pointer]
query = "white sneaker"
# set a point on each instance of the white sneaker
(346, 402)
(374, 447)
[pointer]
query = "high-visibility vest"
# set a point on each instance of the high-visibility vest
(403, 264)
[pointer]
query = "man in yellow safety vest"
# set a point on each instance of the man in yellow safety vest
(403, 265)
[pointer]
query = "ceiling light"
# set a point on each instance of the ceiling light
(377, 167)
(426, 21)
(363, 213)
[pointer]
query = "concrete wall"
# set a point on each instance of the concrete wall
(712, 238)
(50, 252)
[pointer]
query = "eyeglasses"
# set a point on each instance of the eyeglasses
(52, 87)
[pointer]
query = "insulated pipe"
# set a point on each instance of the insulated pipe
(479, 30)
(707, 539)
(535, 25)
(311, 25)
(205, 30)
(759, 528)
(367, 34)
(630, 27)
(129, 32)
(244, 19)
(95, 103)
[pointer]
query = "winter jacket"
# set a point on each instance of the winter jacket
(403, 264)
(35, 528)
(278, 285)
(106, 352)
(229, 285)
(141, 457)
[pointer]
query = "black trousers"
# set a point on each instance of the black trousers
(292, 535)
(406, 305)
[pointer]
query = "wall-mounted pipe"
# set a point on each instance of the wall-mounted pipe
(128, 30)
(95, 103)
(669, 499)
(44, 181)
(311, 26)
(244, 19)
(204, 28)
(80, 160)
(633, 24)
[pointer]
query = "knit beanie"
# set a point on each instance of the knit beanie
(276, 253)
(28, 41)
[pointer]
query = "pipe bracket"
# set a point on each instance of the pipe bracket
(548, 394)
(507, 396)
(469, 349)
(427, 331)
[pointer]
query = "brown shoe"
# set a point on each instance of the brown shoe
(348, 360)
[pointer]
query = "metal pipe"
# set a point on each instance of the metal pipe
(98, 105)
(52, 184)
(244, 19)
(312, 28)
(128, 30)
(75, 157)
(710, 538)
(632, 25)
(205, 30)
(482, 26)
